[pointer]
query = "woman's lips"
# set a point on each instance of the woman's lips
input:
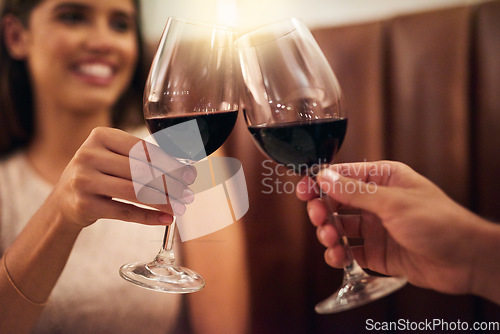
(95, 73)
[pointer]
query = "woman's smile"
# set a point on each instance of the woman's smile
(95, 72)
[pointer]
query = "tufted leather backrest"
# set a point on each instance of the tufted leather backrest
(423, 89)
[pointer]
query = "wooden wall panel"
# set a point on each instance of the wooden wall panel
(486, 110)
(428, 100)
(355, 53)
(421, 88)
(276, 226)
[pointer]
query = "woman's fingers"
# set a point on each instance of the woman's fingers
(99, 182)
(114, 187)
(146, 176)
(137, 150)
(131, 213)
(149, 160)
(84, 211)
(149, 182)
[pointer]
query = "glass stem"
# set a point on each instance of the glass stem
(352, 269)
(166, 255)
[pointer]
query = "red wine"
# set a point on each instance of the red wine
(301, 145)
(181, 143)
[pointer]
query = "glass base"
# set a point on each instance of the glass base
(358, 292)
(163, 277)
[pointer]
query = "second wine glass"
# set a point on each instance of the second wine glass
(190, 108)
(292, 105)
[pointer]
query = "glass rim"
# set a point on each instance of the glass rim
(295, 25)
(201, 23)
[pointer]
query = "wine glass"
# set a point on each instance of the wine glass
(191, 81)
(292, 105)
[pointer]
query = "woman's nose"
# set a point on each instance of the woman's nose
(100, 38)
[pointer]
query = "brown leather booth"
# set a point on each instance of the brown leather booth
(422, 88)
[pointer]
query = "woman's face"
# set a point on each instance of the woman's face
(81, 53)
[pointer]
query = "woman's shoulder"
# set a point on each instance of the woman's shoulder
(11, 164)
(10, 174)
(19, 182)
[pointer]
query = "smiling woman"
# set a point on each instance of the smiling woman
(69, 70)
(89, 48)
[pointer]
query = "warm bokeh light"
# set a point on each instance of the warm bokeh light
(227, 13)
(245, 14)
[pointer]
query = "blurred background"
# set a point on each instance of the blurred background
(420, 80)
(315, 13)
(420, 83)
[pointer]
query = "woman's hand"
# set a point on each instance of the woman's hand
(409, 226)
(98, 179)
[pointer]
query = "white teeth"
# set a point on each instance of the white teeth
(97, 70)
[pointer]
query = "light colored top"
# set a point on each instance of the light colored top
(90, 296)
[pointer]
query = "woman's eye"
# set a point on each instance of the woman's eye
(121, 24)
(71, 17)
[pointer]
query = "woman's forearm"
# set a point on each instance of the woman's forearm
(31, 267)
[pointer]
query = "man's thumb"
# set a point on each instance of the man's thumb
(350, 192)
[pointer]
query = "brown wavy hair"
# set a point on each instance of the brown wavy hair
(16, 98)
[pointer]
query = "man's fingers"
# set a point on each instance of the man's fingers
(318, 214)
(354, 193)
(335, 256)
(317, 211)
(327, 235)
(358, 252)
(307, 189)
(351, 224)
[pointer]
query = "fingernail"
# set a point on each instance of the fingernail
(189, 175)
(329, 175)
(165, 218)
(322, 235)
(330, 254)
(309, 210)
(178, 208)
(187, 196)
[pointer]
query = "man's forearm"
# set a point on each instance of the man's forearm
(486, 275)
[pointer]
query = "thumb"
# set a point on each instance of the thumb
(367, 196)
